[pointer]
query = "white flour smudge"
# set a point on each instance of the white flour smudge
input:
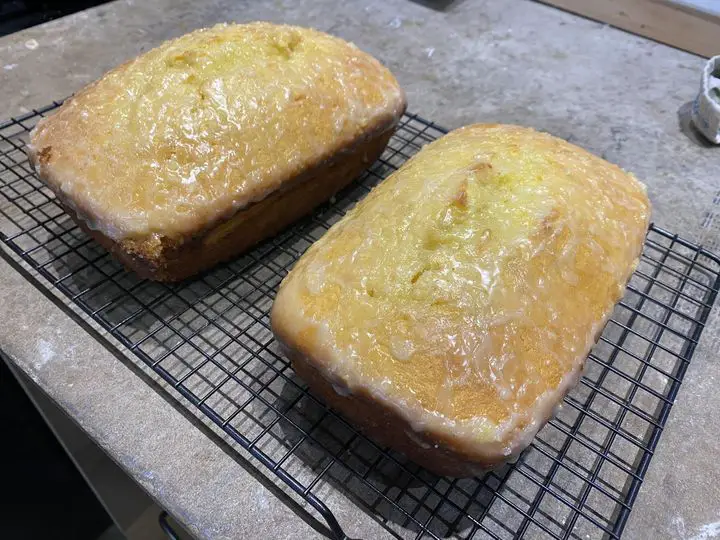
(32, 44)
(679, 523)
(8, 67)
(708, 531)
(46, 353)
(261, 498)
(396, 22)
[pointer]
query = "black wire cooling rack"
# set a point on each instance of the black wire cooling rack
(210, 340)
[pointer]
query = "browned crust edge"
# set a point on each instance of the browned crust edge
(382, 420)
(167, 259)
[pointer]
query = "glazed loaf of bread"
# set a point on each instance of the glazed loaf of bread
(195, 150)
(452, 309)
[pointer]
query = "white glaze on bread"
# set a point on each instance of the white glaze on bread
(465, 292)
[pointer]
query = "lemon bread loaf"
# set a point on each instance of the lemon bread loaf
(198, 149)
(453, 308)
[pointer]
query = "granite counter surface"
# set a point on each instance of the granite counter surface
(618, 95)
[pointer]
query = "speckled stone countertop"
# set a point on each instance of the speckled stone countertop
(618, 95)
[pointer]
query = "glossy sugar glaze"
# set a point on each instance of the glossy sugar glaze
(467, 289)
(188, 133)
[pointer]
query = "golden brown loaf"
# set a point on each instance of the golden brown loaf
(187, 154)
(453, 308)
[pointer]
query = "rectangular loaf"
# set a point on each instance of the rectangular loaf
(209, 143)
(453, 308)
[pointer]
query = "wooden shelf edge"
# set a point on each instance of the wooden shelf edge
(674, 24)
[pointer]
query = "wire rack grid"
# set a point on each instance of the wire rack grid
(210, 340)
